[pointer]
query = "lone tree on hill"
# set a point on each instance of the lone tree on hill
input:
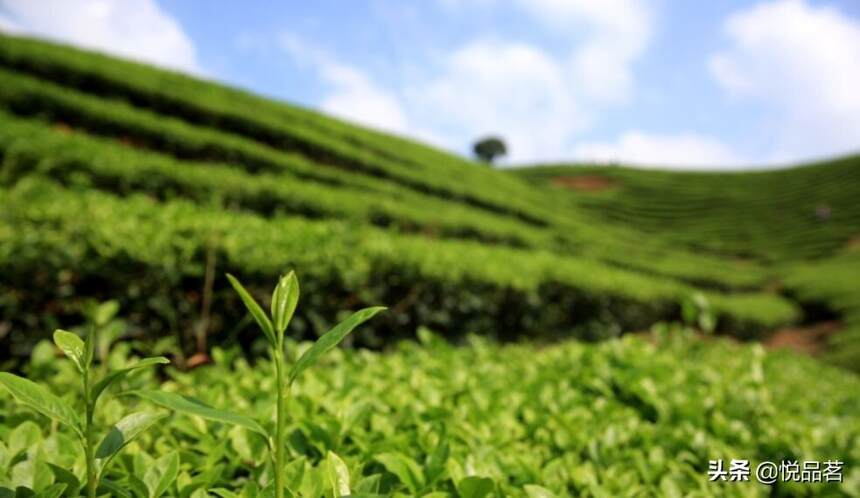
(488, 148)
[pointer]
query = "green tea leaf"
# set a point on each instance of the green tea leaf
(255, 310)
(223, 493)
(125, 431)
(64, 476)
(368, 484)
(41, 400)
(294, 473)
(314, 482)
(535, 491)
(338, 475)
(104, 312)
(159, 478)
(23, 437)
(475, 487)
(136, 485)
(247, 444)
(405, 468)
(191, 406)
(284, 302)
(331, 339)
(31, 474)
(52, 491)
(112, 488)
(72, 346)
(437, 461)
(115, 375)
(90, 346)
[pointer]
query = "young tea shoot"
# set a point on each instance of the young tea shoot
(98, 456)
(273, 325)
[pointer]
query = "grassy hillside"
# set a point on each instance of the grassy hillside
(787, 214)
(141, 187)
(171, 178)
(481, 244)
(801, 223)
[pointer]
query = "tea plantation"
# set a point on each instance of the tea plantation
(801, 223)
(620, 418)
(596, 331)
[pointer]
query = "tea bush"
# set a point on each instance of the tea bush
(451, 244)
(620, 418)
(82, 244)
(189, 140)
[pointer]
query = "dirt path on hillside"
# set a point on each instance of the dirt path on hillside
(811, 339)
(584, 183)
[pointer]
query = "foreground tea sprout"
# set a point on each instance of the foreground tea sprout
(40, 399)
(285, 298)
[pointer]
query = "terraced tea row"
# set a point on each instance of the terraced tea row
(833, 281)
(31, 147)
(803, 221)
(57, 243)
(237, 113)
(28, 96)
(93, 123)
(771, 215)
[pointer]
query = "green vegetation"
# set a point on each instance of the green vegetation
(488, 148)
(32, 147)
(284, 301)
(198, 151)
(128, 184)
(281, 126)
(801, 223)
(93, 123)
(619, 418)
(124, 432)
(81, 241)
(185, 139)
(834, 281)
(786, 214)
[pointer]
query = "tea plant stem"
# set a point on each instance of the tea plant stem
(281, 409)
(92, 476)
(206, 306)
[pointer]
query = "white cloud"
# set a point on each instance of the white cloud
(486, 87)
(356, 97)
(617, 33)
(352, 93)
(514, 90)
(803, 63)
(535, 99)
(604, 38)
(684, 151)
(511, 89)
(137, 29)
(538, 99)
(7, 25)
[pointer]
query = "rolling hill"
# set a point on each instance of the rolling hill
(800, 224)
(124, 181)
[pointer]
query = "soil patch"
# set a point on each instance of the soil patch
(62, 127)
(584, 183)
(810, 339)
(853, 243)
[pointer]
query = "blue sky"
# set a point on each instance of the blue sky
(729, 84)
